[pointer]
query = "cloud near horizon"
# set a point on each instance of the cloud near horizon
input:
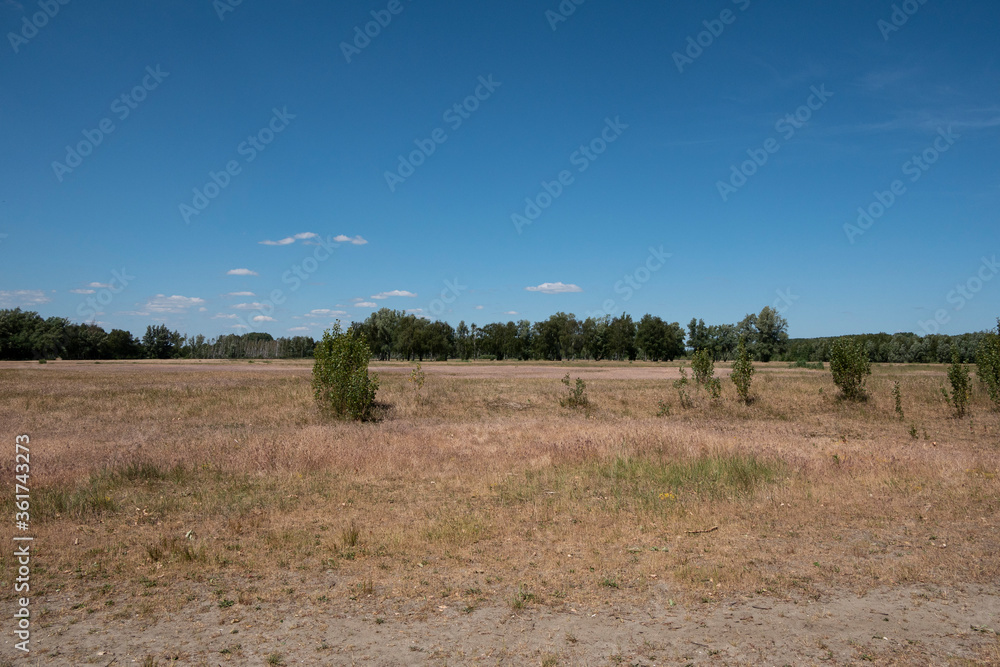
(554, 288)
(22, 297)
(172, 304)
(395, 292)
(241, 272)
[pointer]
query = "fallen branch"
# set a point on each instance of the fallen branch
(707, 530)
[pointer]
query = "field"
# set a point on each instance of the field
(204, 513)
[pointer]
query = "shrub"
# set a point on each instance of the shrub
(898, 397)
(681, 387)
(742, 374)
(577, 397)
(703, 367)
(958, 376)
(341, 383)
(988, 364)
(850, 367)
(417, 379)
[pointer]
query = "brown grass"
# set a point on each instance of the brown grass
(151, 481)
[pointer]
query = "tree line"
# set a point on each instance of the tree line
(396, 335)
(27, 335)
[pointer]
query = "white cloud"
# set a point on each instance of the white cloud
(202, 309)
(479, 307)
(357, 240)
(240, 294)
(81, 291)
(241, 272)
(325, 312)
(172, 304)
(263, 318)
(510, 312)
(395, 292)
(366, 304)
(104, 285)
(415, 311)
(291, 239)
(299, 329)
(225, 316)
(240, 326)
(554, 288)
(249, 306)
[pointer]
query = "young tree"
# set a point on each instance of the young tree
(850, 367)
(341, 383)
(742, 374)
(988, 364)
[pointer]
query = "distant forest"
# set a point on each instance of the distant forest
(393, 334)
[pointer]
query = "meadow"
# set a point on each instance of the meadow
(205, 512)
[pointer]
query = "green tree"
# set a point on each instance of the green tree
(341, 383)
(159, 342)
(850, 367)
(742, 373)
(988, 364)
(961, 387)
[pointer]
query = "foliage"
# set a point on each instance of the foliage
(898, 398)
(850, 368)
(341, 383)
(988, 364)
(742, 374)
(681, 386)
(577, 397)
(417, 379)
(703, 367)
(961, 387)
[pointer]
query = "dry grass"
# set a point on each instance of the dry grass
(153, 481)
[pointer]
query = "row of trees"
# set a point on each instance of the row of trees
(392, 334)
(27, 335)
(894, 348)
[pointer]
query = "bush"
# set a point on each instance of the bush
(703, 367)
(577, 397)
(850, 367)
(988, 364)
(341, 382)
(742, 374)
(958, 376)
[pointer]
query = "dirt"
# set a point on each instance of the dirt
(917, 625)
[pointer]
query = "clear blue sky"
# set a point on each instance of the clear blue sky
(833, 103)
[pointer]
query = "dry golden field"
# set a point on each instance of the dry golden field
(204, 513)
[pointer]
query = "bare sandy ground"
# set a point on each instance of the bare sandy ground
(918, 625)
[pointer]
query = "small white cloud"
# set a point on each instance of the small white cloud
(479, 307)
(104, 285)
(249, 306)
(225, 316)
(415, 311)
(395, 292)
(288, 240)
(172, 304)
(357, 240)
(325, 312)
(202, 309)
(81, 291)
(511, 312)
(554, 288)
(241, 272)
(263, 318)
(240, 326)
(240, 294)
(366, 304)
(299, 329)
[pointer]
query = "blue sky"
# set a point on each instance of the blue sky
(686, 160)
